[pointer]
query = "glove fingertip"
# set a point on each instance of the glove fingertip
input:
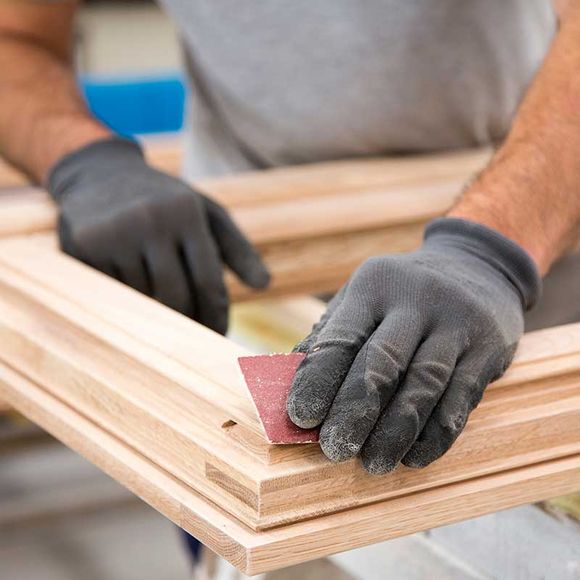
(299, 414)
(304, 408)
(258, 276)
(426, 451)
(337, 446)
(249, 268)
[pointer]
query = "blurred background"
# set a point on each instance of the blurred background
(129, 63)
(62, 519)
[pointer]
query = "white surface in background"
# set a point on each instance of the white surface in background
(126, 38)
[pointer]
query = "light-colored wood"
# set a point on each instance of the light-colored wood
(265, 204)
(100, 364)
(343, 213)
(325, 221)
(159, 410)
(309, 265)
(313, 224)
(25, 211)
(304, 201)
(289, 183)
(319, 265)
(167, 387)
(256, 552)
(144, 478)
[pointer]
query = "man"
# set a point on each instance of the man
(407, 347)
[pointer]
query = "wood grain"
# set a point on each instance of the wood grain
(313, 224)
(166, 154)
(171, 390)
(157, 400)
(256, 552)
(304, 201)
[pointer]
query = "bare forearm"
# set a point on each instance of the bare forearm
(531, 190)
(42, 115)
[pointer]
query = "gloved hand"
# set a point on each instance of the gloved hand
(150, 230)
(405, 350)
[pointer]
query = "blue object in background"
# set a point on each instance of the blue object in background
(137, 105)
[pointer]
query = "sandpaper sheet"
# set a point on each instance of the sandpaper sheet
(269, 378)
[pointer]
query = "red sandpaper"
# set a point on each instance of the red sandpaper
(269, 378)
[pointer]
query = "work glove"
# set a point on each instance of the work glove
(405, 350)
(150, 230)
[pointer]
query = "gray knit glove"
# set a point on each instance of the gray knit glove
(405, 350)
(150, 230)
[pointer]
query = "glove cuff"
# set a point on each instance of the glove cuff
(97, 157)
(507, 257)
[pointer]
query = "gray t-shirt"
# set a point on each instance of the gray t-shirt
(281, 82)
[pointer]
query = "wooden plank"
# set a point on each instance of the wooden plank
(160, 490)
(256, 552)
(167, 386)
(310, 265)
(313, 224)
(304, 180)
(106, 380)
(298, 202)
(529, 416)
(318, 265)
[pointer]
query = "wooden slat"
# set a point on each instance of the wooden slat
(305, 201)
(301, 181)
(257, 552)
(313, 224)
(166, 386)
(147, 480)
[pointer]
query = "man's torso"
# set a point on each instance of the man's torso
(279, 83)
